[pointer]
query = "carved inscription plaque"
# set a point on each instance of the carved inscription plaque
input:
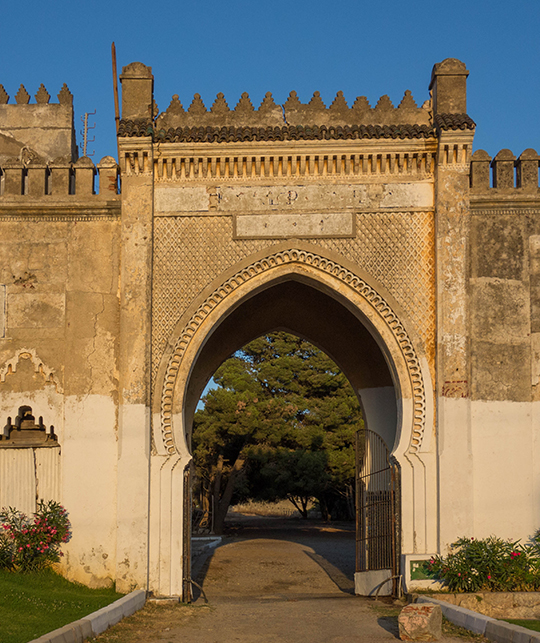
(418, 195)
(298, 225)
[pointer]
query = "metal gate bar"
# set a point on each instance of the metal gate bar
(378, 525)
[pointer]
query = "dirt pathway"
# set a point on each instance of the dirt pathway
(269, 589)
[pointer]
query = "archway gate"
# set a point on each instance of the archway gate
(124, 301)
(240, 220)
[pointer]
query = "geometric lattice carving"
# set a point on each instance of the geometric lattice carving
(395, 248)
(291, 256)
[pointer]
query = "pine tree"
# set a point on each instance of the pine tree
(280, 424)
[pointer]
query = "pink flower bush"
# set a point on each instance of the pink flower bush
(491, 564)
(31, 544)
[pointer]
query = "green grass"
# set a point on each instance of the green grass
(34, 604)
(529, 624)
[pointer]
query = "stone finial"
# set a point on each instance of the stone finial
(339, 104)
(384, 104)
(449, 86)
(503, 170)
(316, 102)
(407, 102)
(3, 96)
(244, 105)
(65, 97)
(269, 112)
(268, 103)
(42, 95)
(527, 169)
(220, 105)
(22, 96)
(175, 106)
(197, 106)
(292, 101)
(480, 174)
(360, 109)
(137, 91)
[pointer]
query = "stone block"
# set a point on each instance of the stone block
(366, 583)
(498, 247)
(501, 371)
(500, 310)
(420, 622)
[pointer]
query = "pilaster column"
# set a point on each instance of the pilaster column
(136, 163)
(452, 294)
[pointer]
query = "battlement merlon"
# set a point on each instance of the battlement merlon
(40, 131)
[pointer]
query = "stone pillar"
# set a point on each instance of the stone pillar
(136, 163)
(452, 296)
(137, 87)
(449, 87)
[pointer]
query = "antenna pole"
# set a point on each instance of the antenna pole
(115, 87)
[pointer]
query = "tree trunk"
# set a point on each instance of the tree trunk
(221, 505)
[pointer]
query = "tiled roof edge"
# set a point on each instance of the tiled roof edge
(285, 133)
(454, 121)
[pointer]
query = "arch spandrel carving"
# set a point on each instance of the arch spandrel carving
(298, 257)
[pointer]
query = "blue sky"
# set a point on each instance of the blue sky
(359, 47)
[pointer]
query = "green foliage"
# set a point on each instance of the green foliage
(491, 564)
(36, 603)
(285, 416)
(32, 544)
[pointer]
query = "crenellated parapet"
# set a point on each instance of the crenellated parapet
(505, 173)
(57, 179)
(292, 113)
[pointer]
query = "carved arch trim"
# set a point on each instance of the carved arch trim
(10, 367)
(282, 258)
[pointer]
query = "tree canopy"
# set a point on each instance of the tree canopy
(281, 423)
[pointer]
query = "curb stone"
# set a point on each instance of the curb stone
(494, 630)
(97, 622)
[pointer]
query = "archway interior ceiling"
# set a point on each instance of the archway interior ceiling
(302, 310)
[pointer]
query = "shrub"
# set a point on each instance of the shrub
(491, 564)
(32, 544)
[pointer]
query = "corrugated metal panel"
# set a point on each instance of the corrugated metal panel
(48, 474)
(18, 479)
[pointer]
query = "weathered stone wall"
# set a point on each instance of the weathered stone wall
(59, 276)
(505, 342)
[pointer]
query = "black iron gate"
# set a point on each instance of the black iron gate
(378, 502)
